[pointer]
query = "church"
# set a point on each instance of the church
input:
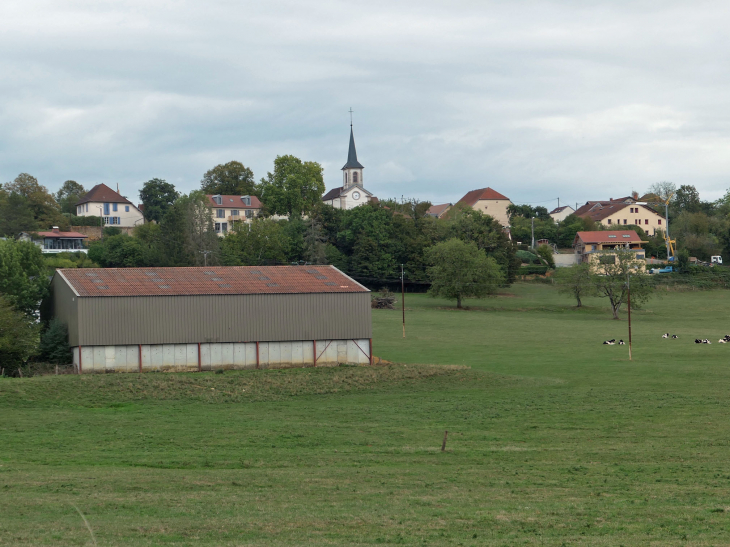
(352, 192)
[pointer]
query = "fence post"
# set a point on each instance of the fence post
(314, 348)
(140, 358)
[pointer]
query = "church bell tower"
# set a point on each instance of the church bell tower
(352, 171)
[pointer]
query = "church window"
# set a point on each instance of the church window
(354, 177)
(345, 178)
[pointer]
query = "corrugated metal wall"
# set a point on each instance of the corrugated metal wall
(65, 307)
(222, 318)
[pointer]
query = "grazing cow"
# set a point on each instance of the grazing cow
(674, 336)
(621, 343)
(722, 341)
(666, 335)
(610, 342)
(706, 341)
(698, 341)
(726, 338)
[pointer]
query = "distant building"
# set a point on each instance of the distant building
(490, 202)
(352, 193)
(102, 201)
(438, 211)
(56, 241)
(228, 210)
(599, 246)
(559, 214)
(623, 212)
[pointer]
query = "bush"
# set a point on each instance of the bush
(18, 337)
(84, 221)
(546, 253)
(533, 270)
(54, 346)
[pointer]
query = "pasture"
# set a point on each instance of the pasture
(554, 438)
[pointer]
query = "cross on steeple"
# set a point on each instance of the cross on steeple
(350, 111)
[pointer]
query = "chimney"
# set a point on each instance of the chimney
(55, 230)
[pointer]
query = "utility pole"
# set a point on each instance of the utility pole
(101, 223)
(403, 298)
(628, 298)
(533, 232)
(666, 219)
(205, 254)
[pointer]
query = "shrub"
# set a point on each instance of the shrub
(54, 346)
(18, 337)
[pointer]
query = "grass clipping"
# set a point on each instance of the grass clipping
(232, 386)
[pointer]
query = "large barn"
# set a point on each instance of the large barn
(187, 319)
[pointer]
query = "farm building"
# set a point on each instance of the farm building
(187, 319)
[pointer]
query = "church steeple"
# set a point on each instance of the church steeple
(352, 170)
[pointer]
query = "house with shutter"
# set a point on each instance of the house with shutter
(227, 210)
(115, 209)
(601, 246)
(623, 212)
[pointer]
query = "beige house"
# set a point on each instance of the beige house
(623, 212)
(489, 202)
(352, 193)
(559, 214)
(230, 209)
(102, 201)
(596, 247)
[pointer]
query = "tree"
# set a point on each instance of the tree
(663, 190)
(15, 215)
(611, 280)
(18, 336)
(118, 251)
(158, 195)
(294, 188)
(69, 195)
(314, 243)
(687, 199)
(576, 281)
(54, 346)
(201, 240)
(546, 253)
(23, 276)
(461, 270)
(258, 243)
(232, 178)
(40, 201)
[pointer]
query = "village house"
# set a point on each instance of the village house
(439, 211)
(600, 246)
(116, 210)
(559, 214)
(56, 241)
(228, 210)
(489, 202)
(623, 212)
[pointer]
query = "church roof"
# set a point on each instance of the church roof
(352, 162)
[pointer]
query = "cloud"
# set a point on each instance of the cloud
(538, 99)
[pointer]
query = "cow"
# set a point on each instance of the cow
(621, 343)
(674, 336)
(666, 335)
(698, 341)
(610, 342)
(722, 341)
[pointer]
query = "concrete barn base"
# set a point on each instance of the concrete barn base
(212, 356)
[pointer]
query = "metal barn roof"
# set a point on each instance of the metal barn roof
(223, 280)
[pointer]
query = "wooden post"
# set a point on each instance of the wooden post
(628, 289)
(443, 445)
(140, 357)
(79, 359)
(200, 361)
(258, 360)
(371, 351)
(56, 370)
(314, 348)
(403, 298)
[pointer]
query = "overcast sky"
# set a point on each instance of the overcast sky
(576, 99)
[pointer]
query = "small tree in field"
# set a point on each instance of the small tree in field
(461, 270)
(576, 281)
(54, 346)
(610, 280)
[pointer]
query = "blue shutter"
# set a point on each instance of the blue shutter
(106, 209)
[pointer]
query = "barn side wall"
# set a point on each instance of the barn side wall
(65, 307)
(117, 321)
(213, 356)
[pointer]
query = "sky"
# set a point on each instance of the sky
(575, 99)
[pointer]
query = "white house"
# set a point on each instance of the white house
(559, 214)
(116, 209)
(230, 209)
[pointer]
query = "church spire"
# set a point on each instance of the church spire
(352, 162)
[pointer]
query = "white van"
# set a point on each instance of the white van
(716, 259)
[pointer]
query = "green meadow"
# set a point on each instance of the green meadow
(553, 438)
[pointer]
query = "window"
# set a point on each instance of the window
(114, 207)
(246, 200)
(612, 235)
(354, 177)
(646, 221)
(659, 222)
(224, 227)
(249, 213)
(126, 208)
(345, 177)
(639, 256)
(609, 259)
(627, 235)
(234, 212)
(106, 209)
(217, 227)
(218, 200)
(609, 221)
(220, 213)
(87, 207)
(624, 221)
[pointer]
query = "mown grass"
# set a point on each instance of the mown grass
(553, 438)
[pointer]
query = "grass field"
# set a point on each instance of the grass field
(554, 439)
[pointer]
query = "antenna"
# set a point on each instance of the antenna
(350, 111)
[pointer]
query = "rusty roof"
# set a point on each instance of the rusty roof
(483, 193)
(598, 210)
(208, 280)
(609, 236)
